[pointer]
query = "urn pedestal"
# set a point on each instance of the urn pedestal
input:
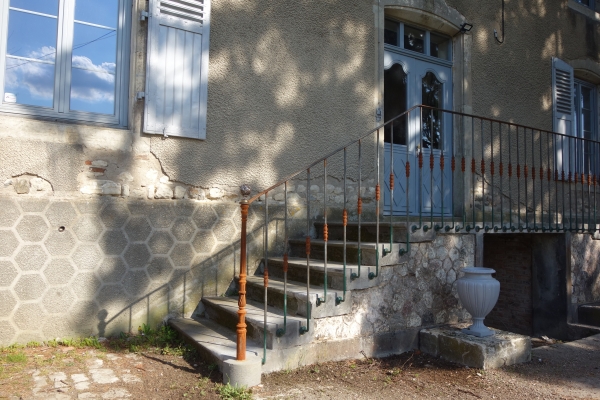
(478, 292)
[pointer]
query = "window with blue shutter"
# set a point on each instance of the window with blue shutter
(177, 68)
(563, 115)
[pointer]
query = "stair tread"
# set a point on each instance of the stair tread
(298, 289)
(350, 244)
(254, 311)
(216, 338)
(332, 266)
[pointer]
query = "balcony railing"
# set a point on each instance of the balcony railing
(444, 171)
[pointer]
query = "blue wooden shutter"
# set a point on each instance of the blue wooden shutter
(177, 68)
(563, 114)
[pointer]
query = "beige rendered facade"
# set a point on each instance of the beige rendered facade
(104, 227)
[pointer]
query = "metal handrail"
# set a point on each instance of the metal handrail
(553, 217)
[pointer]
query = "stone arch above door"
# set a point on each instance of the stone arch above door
(432, 14)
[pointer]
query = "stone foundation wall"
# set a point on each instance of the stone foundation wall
(417, 293)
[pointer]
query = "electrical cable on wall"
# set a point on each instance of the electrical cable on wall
(495, 32)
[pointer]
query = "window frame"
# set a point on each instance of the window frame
(62, 72)
(592, 4)
(581, 153)
(426, 54)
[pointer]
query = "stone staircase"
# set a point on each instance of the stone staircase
(212, 328)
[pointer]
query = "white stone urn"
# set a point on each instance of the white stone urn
(478, 292)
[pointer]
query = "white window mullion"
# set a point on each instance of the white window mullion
(3, 44)
(64, 49)
(401, 36)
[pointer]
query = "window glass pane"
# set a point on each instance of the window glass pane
(390, 35)
(414, 39)
(31, 53)
(394, 103)
(31, 35)
(41, 6)
(439, 46)
(432, 122)
(93, 69)
(29, 82)
(100, 12)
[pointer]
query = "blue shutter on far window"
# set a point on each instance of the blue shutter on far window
(177, 68)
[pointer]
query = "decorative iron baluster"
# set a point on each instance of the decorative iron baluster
(431, 166)
(501, 173)
(377, 197)
(510, 173)
(265, 275)
(325, 235)
(520, 226)
(420, 181)
(281, 331)
(492, 172)
(483, 225)
(338, 299)
(535, 228)
(385, 251)
(304, 329)
(359, 209)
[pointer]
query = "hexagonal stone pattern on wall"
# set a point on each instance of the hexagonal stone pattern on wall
(9, 213)
(84, 318)
(86, 256)
(32, 228)
(8, 273)
(32, 204)
(30, 287)
(7, 303)
(136, 282)
(160, 242)
(85, 285)
(8, 243)
(113, 299)
(61, 213)
(138, 229)
(59, 243)
(59, 271)
(225, 231)
(88, 228)
(183, 229)
(182, 255)
(29, 317)
(137, 255)
(160, 269)
(31, 257)
(204, 241)
(114, 215)
(204, 217)
(57, 300)
(162, 215)
(7, 332)
(113, 242)
(112, 269)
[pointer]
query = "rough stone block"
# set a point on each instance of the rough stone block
(163, 192)
(21, 186)
(499, 350)
(180, 192)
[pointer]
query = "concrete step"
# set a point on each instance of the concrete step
(335, 274)
(214, 342)
(368, 231)
(335, 251)
(296, 297)
(589, 314)
(223, 310)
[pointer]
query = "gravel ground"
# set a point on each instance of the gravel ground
(559, 371)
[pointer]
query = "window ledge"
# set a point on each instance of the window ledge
(580, 8)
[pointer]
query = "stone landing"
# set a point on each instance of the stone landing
(499, 350)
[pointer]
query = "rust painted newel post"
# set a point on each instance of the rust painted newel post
(241, 326)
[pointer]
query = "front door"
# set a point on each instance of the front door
(410, 81)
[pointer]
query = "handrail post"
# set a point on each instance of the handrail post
(241, 326)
